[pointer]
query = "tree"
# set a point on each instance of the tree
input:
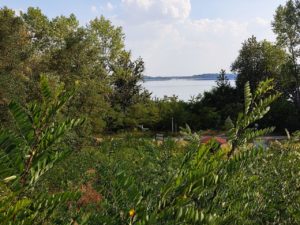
(39, 28)
(258, 61)
(222, 79)
(225, 100)
(15, 51)
(126, 78)
(14, 42)
(95, 55)
(286, 27)
(108, 40)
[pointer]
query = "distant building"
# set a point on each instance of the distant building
(220, 140)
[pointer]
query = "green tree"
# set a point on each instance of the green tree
(15, 56)
(126, 78)
(224, 100)
(95, 56)
(222, 79)
(258, 61)
(108, 40)
(286, 27)
(14, 43)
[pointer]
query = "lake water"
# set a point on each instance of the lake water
(184, 89)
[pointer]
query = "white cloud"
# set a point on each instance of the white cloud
(102, 9)
(172, 43)
(158, 9)
(143, 4)
(262, 22)
(186, 47)
(179, 9)
(109, 6)
(94, 9)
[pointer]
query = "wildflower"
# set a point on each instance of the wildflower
(131, 213)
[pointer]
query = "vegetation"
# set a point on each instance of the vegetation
(29, 152)
(287, 30)
(72, 104)
(257, 105)
(140, 181)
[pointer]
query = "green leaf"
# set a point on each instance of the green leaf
(247, 97)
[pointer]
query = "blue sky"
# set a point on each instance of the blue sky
(174, 37)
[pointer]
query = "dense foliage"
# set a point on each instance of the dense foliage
(28, 152)
(93, 56)
(111, 97)
(134, 180)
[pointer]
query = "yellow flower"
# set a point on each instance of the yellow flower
(131, 212)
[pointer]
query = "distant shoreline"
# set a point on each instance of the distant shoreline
(212, 76)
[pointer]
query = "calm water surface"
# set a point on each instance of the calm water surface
(184, 89)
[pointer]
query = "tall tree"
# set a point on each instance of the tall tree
(126, 78)
(94, 55)
(14, 41)
(15, 51)
(258, 61)
(108, 40)
(287, 28)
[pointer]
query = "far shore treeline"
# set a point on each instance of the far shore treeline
(206, 76)
(109, 94)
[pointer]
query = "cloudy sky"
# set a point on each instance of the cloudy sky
(174, 37)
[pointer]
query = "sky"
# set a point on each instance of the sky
(174, 37)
